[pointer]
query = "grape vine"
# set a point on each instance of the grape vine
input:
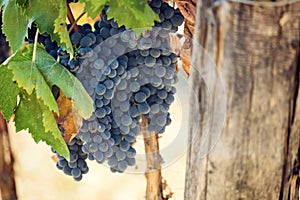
(123, 71)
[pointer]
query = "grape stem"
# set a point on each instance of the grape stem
(75, 24)
(71, 18)
(36, 37)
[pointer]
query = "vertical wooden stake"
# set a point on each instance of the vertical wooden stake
(7, 181)
(154, 189)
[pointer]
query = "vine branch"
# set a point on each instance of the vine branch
(76, 21)
(71, 18)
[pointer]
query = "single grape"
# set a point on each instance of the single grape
(86, 41)
(99, 156)
(126, 120)
(130, 161)
(144, 108)
(160, 71)
(122, 165)
(100, 89)
(112, 161)
(121, 155)
(134, 86)
(161, 120)
(75, 38)
(150, 61)
(104, 32)
(103, 147)
(76, 172)
(140, 97)
(168, 12)
(177, 19)
(98, 63)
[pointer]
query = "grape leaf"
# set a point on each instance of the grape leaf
(43, 74)
(15, 24)
(68, 118)
(44, 13)
(93, 8)
(135, 14)
(30, 114)
(61, 29)
(21, 2)
(28, 76)
(8, 92)
(47, 16)
(139, 16)
(56, 74)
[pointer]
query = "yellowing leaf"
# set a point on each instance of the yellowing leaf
(69, 119)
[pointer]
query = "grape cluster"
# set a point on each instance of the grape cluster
(77, 165)
(127, 76)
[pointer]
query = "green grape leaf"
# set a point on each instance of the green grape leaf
(93, 8)
(44, 13)
(48, 18)
(21, 2)
(30, 114)
(15, 24)
(27, 75)
(45, 72)
(56, 74)
(60, 29)
(9, 92)
(139, 16)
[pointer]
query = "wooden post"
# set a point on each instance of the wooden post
(258, 154)
(154, 190)
(7, 182)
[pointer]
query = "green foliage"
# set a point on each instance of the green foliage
(51, 16)
(28, 77)
(48, 16)
(31, 114)
(55, 74)
(60, 28)
(15, 24)
(21, 2)
(93, 8)
(135, 14)
(31, 81)
(8, 93)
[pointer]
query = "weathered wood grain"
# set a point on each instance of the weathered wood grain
(257, 156)
(7, 181)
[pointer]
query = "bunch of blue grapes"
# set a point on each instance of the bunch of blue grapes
(77, 165)
(127, 76)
